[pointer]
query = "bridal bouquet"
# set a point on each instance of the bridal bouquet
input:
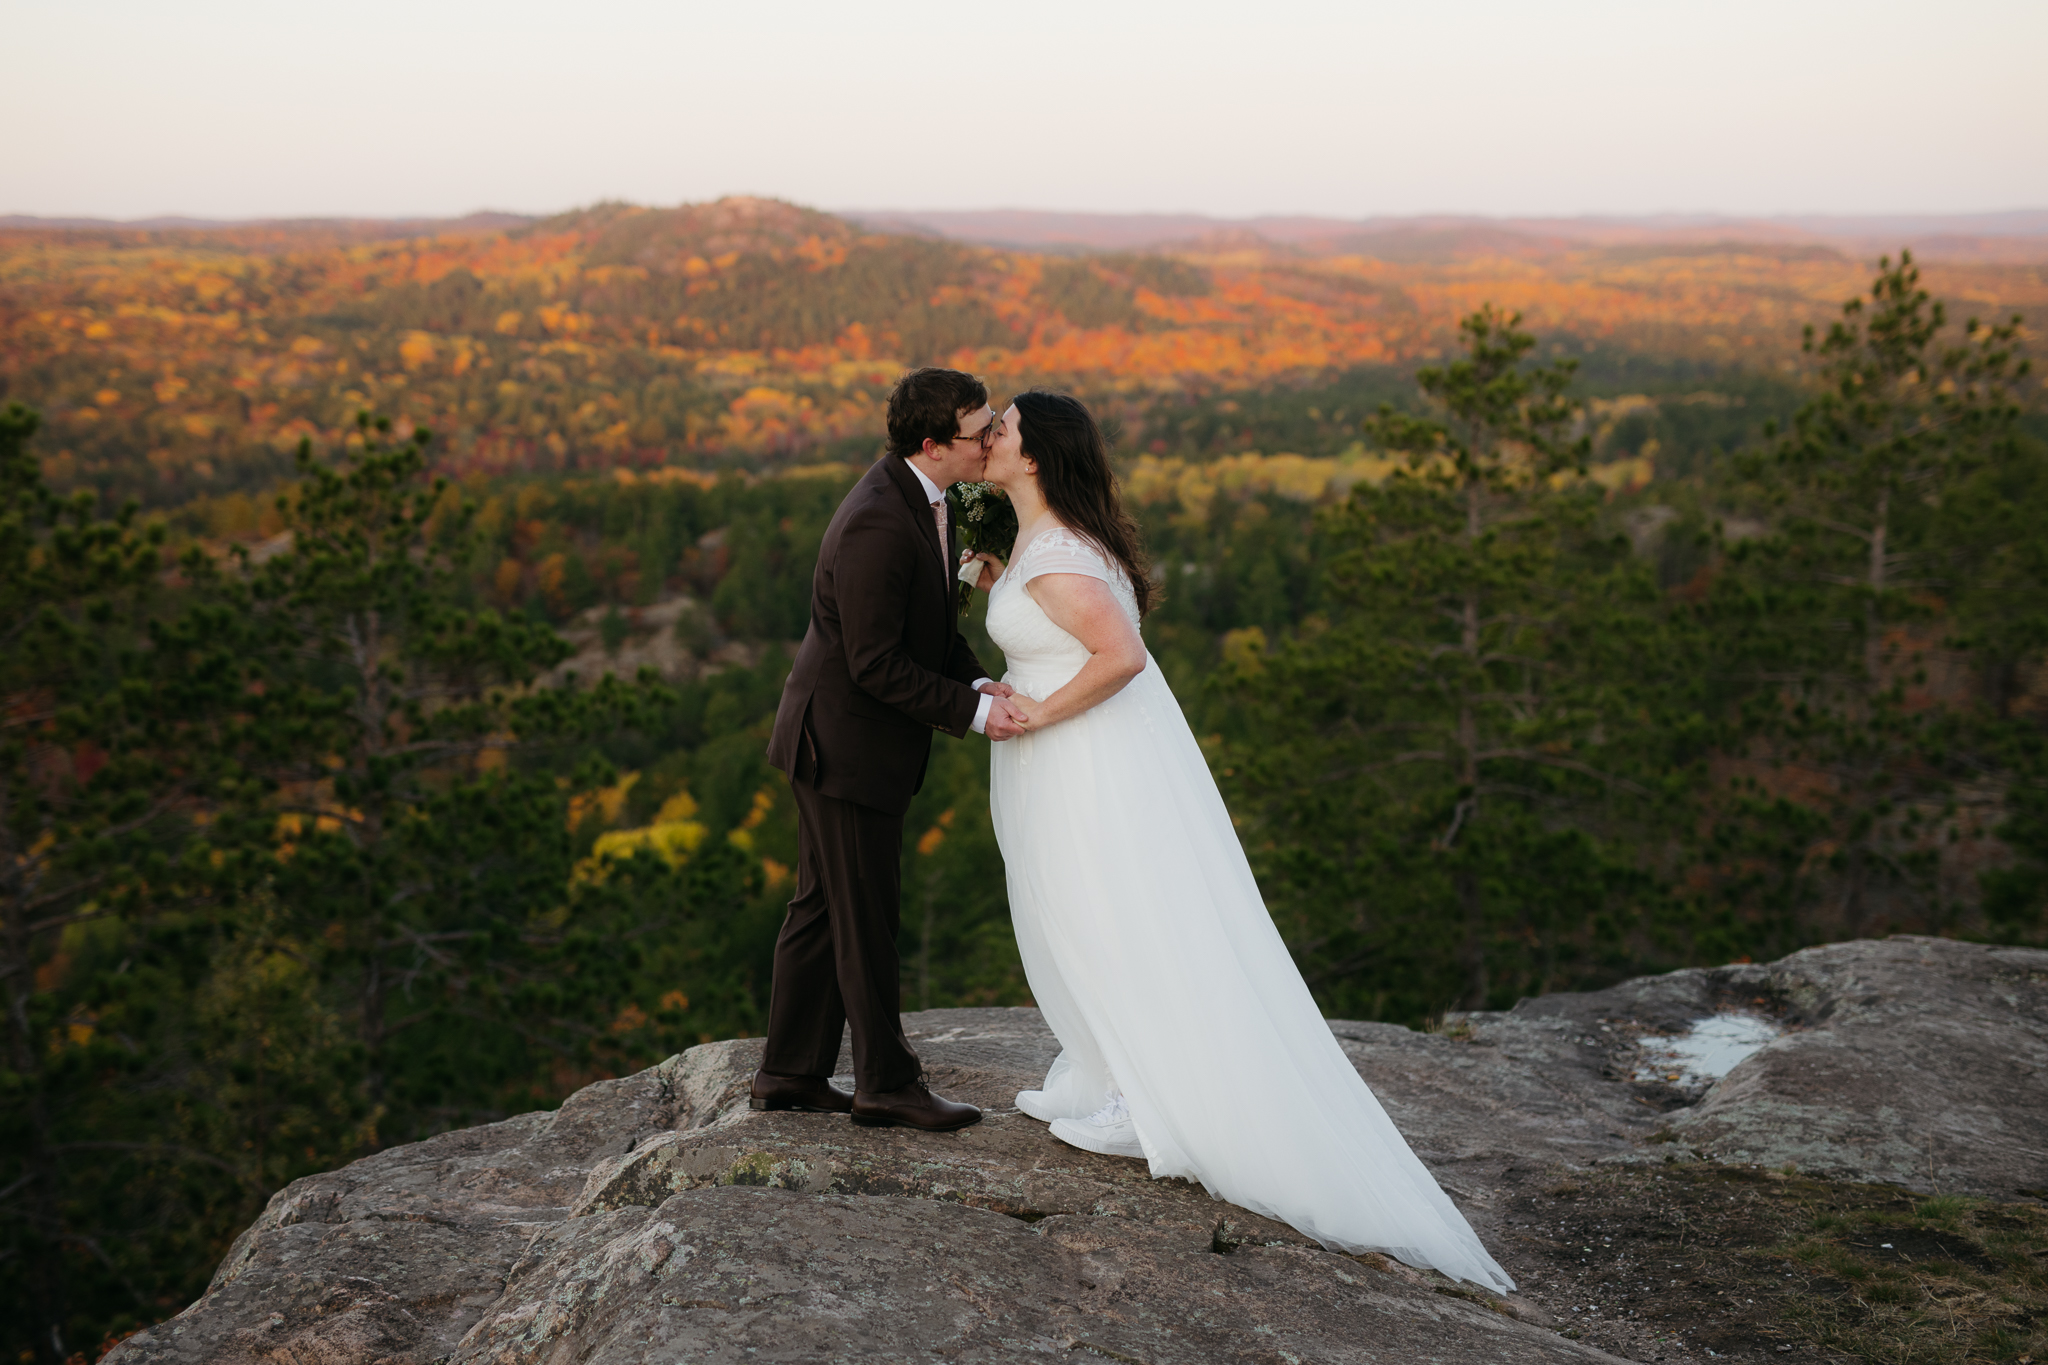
(987, 522)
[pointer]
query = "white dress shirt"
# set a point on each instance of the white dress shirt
(933, 493)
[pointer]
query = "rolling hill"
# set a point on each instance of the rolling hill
(177, 361)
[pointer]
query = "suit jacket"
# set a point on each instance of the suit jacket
(883, 663)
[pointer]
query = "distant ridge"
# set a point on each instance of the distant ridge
(2015, 235)
(486, 220)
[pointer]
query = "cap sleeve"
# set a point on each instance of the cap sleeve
(1063, 551)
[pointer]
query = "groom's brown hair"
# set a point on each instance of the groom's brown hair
(926, 405)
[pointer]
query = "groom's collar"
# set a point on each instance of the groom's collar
(932, 492)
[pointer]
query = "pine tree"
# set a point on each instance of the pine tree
(286, 857)
(1418, 750)
(1825, 623)
(91, 784)
(399, 789)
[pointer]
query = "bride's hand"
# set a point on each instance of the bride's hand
(1027, 711)
(991, 568)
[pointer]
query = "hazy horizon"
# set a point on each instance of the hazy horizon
(226, 109)
(1675, 217)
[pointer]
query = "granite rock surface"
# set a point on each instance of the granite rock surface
(657, 1218)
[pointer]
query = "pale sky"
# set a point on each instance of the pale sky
(232, 108)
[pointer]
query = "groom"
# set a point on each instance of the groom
(881, 667)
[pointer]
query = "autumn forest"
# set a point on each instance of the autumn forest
(391, 621)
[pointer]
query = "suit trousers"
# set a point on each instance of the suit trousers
(835, 960)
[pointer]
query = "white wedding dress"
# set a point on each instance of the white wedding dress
(1152, 957)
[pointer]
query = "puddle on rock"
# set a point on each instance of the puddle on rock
(1696, 1059)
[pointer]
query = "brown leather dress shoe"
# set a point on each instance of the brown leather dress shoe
(914, 1106)
(811, 1094)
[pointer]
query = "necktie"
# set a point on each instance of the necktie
(939, 518)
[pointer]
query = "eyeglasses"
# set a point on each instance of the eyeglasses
(985, 437)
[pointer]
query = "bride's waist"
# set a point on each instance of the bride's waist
(1042, 678)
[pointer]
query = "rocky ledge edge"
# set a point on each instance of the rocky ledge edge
(657, 1218)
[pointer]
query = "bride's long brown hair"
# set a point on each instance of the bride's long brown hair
(1077, 483)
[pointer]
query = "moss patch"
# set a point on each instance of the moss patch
(755, 1168)
(1691, 1258)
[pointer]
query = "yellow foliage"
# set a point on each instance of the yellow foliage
(673, 836)
(681, 806)
(675, 1000)
(505, 581)
(673, 843)
(564, 321)
(416, 351)
(1300, 478)
(1244, 650)
(764, 801)
(1625, 474)
(605, 802)
(675, 474)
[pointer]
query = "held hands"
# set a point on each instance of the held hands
(1009, 717)
(1003, 720)
(1002, 712)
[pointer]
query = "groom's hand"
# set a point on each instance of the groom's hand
(1003, 721)
(994, 688)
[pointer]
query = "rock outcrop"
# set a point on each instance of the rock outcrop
(656, 1218)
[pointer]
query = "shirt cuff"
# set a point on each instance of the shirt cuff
(980, 725)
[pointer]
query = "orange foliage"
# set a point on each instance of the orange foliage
(172, 363)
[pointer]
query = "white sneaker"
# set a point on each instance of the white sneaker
(1110, 1130)
(1033, 1103)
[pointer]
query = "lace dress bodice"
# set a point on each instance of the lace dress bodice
(1042, 657)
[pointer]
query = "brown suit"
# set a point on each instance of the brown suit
(881, 667)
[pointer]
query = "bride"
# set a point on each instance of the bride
(1188, 1037)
